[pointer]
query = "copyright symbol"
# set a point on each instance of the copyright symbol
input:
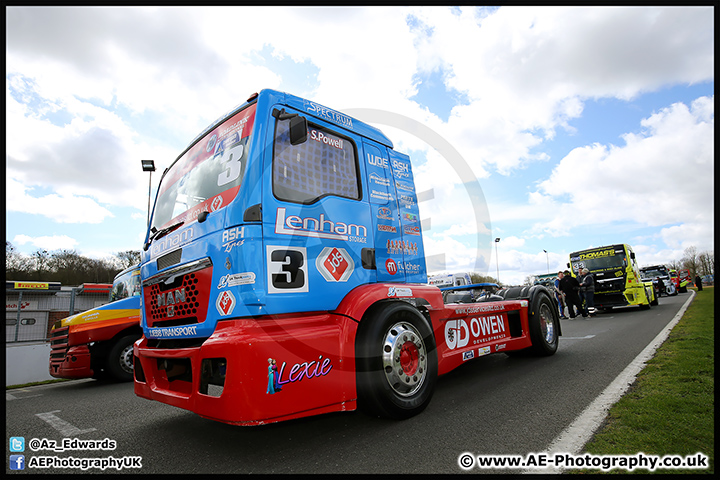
(34, 444)
(466, 461)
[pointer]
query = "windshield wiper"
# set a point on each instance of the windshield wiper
(161, 233)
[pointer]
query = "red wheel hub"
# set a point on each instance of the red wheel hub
(409, 358)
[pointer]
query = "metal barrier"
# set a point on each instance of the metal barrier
(30, 315)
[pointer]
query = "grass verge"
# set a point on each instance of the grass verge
(669, 410)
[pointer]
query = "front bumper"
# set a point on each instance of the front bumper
(229, 378)
(71, 363)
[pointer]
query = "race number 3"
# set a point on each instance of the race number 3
(231, 161)
(287, 269)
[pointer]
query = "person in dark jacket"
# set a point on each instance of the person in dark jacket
(698, 283)
(570, 287)
(587, 286)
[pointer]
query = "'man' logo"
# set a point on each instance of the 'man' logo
(171, 298)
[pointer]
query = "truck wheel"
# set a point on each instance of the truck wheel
(544, 326)
(120, 358)
(396, 361)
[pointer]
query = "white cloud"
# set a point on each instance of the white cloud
(49, 243)
(59, 208)
(663, 176)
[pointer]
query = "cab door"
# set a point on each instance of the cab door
(413, 266)
(316, 222)
(385, 215)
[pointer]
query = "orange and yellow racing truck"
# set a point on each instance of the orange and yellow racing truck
(98, 343)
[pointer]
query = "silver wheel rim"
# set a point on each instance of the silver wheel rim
(547, 324)
(404, 359)
(126, 359)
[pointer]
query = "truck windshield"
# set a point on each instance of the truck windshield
(652, 273)
(126, 285)
(207, 176)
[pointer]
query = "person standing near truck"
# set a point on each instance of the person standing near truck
(698, 283)
(570, 287)
(587, 286)
(560, 296)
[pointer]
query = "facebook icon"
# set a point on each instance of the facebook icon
(17, 462)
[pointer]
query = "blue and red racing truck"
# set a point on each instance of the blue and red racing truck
(284, 276)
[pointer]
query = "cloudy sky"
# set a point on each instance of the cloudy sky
(581, 127)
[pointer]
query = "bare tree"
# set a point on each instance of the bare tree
(706, 262)
(690, 260)
(128, 258)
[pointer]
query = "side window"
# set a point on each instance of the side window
(326, 164)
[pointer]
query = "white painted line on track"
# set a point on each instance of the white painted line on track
(574, 437)
(65, 429)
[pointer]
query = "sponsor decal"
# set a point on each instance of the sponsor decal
(391, 266)
(225, 303)
(11, 305)
(469, 355)
(385, 196)
(328, 114)
(277, 378)
(400, 167)
(233, 237)
(171, 241)
(235, 279)
(407, 186)
(334, 264)
(395, 247)
(211, 144)
(410, 217)
(382, 181)
(482, 351)
(318, 228)
(408, 201)
(164, 332)
(384, 213)
(500, 347)
(598, 254)
(399, 292)
(480, 330)
(31, 285)
(377, 161)
(387, 228)
(411, 230)
(409, 267)
(216, 203)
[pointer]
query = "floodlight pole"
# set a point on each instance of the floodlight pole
(148, 166)
(497, 263)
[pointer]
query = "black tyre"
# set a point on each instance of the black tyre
(396, 361)
(120, 359)
(544, 326)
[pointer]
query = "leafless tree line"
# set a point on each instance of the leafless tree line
(65, 266)
(698, 263)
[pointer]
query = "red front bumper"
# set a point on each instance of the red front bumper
(71, 363)
(230, 377)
